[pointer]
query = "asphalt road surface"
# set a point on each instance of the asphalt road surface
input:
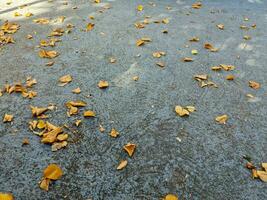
(192, 157)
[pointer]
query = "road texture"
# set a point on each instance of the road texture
(193, 157)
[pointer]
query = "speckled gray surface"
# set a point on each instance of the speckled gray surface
(206, 164)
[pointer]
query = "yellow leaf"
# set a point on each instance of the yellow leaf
(230, 77)
(253, 84)
(103, 84)
(191, 108)
(264, 166)
(187, 59)
(221, 119)
(200, 77)
(197, 5)
(122, 164)
(262, 175)
(161, 64)
(41, 21)
(194, 52)
(78, 122)
(38, 111)
(90, 26)
(89, 113)
(51, 136)
(129, 148)
(140, 42)
(62, 137)
(76, 104)
(41, 124)
(194, 39)
(97, 1)
(114, 133)
(53, 172)
(76, 91)
(170, 197)
(58, 145)
(8, 118)
(48, 54)
(165, 21)
(220, 26)
(6, 196)
(181, 111)
(227, 67)
(28, 14)
(139, 7)
(210, 47)
(17, 14)
(44, 184)
(65, 79)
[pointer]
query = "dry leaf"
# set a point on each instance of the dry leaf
(76, 91)
(90, 26)
(48, 54)
(89, 113)
(220, 26)
(53, 172)
(264, 166)
(221, 119)
(129, 148)
(38, 111)
(122, 164)
(194, 39)
(114, 133)
(25, 141)
(103, 84)
(253, 84)
(78, 122)
(247, 37)
(161, 64)
(165, 21)
(28, 14)
(58, 145)
(65, 79)
(50, 63)
(230, 77)
(187, 59)
(140, 43)
(44, 184)
(262, 175)
(6, 196)
(50, 137)
(112, 60)
(197, 5)
(41, 21)
(200, 77)
(210, 47)
(170, 197)
(101, 128)
(17, 14)
(190, 108)
(254, 173)
(136, 78)
(8, 118)
(194, 52)
(181, 111)
(158, 54)
(227, 67)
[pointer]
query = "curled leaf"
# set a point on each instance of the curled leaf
(221, 119)
(53, 172)
(89, 113)
(6, 196)
(129, 148)
(8, 118)
(103, 84)
(181, 111)
(122, 164)
(114, 133)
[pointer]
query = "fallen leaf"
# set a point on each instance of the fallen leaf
(139, 7)
(194, 52)
(48, 54)
(122, 164)
(90, 26)
(230, 77)
(50, 137)
(41, 21)
(50, 63)
(101, 128)
(76, 103)
(78, 122)
(227, 67)
(37, 111)
(17, 14)
(247, 37)
(221, 119)
(129, 148)
(6, 196)
(89, 113)
(161, 64)
(187, 59)
(200, 77)
(112, 60)
(171, 197)
(210, 47)
(140, 42)
(264, 166)
(197, 5)
(135, 78)
(77, 90)
(114, 133)
(44, 184)
(190, 108)
(103, 84)
(181, 111)
(25, 141)
(253, 84)
(165, 21)
(28, 14)
(53, 172)
(262, 175)
(194, 39)
(220, 26)
(8, 118)
(65, 79)
(158, 54)
(58, 145)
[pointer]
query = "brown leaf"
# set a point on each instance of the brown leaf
(210, 47)
(221, 119)
(122, 164)
(8, 118)
(253, 84)
(53, 172)
(194, 39)
(230, 77)
(129, 148)
(41, 21)
(161, 64)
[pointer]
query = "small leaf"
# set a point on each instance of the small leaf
(262, 175)
(171, 197)
(181, 111)
(6, 196)
(103, 84)
(122, 164)
(90, 26)
(221, 119)
(139, 7)
(8, 118)
(89, 113)
(253, 84)
(114, 133)
(129, 148)
(53, 172)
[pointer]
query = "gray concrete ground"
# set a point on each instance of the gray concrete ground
(207, 162)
